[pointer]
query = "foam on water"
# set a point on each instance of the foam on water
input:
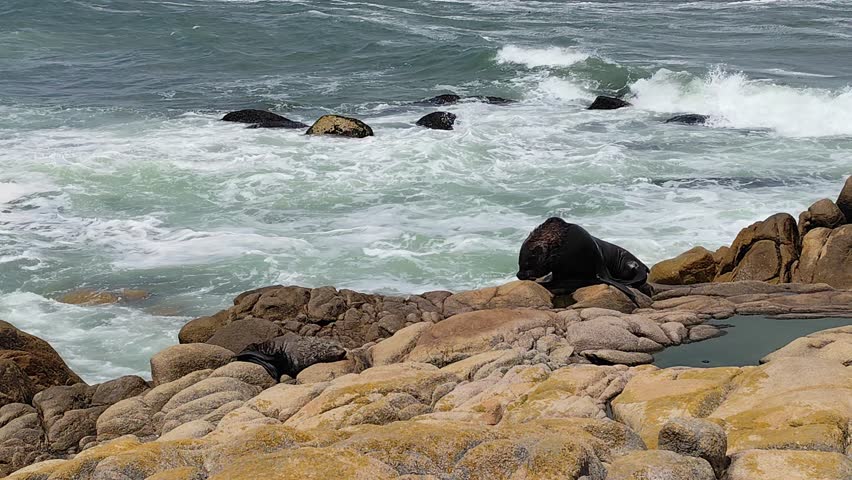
(734, 100)
(540, 57)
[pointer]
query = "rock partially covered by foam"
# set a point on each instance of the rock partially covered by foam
(604, 102)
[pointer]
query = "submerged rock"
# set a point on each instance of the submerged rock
(253, 116)
(340, 126)
(496, 100)
(608, 103)
(689, 119)
(438, 121)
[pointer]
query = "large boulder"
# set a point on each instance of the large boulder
(201, 329)
(763, 251)
(340, 126)
(35, 357)
(696, 438)
(658, 465)
(438, 121)
(15, 385)
(178, 360)
(238, 335)
(826, 257)
(119, 389)
(604, 102)
(789, 465)
(823, 213)
(844, 200)
(693, 266)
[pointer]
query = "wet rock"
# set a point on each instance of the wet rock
(15, 385)
(689, 119)
(789, 465)
(659, 464)
(693, 266)
(826, 257)
(289, 124)
(178, 360)
(35, 357)
(438, 121)
(496, 100)
(253, 116)
(763, 251)
(445, 99)
(696, 438)
(238, 335)
(844, 200)
(615, 357)
(824, 213)
(90, 296)
(608, 103)
(340, 126)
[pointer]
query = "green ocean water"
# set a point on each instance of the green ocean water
(115, 171)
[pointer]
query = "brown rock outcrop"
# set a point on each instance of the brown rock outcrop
(763, 251)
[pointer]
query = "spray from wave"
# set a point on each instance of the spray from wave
(540, 57)
(734, 100)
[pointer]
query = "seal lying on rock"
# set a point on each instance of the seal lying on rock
(563, 257)
(290, 354)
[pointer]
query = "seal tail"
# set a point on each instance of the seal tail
(622, 288)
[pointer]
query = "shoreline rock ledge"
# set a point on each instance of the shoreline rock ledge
(505, 382)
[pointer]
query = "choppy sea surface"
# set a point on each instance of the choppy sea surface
(115, 171)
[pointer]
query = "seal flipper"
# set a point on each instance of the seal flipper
(624, 289)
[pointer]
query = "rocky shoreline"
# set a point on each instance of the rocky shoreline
(502, 382)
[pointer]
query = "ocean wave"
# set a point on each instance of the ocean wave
(734, 100)
(541, 57)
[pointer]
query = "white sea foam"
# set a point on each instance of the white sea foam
(541, 57)
(734, 100)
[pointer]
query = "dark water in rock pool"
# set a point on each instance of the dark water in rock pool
(115, 172)
(747, 340)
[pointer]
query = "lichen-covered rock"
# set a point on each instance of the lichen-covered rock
(693, 266)
(659, 464)
(178, 360)
(468, 334)
(832, 344)
(696, 438)
(763, 251)
(826, 257)
(393, 349)
(249, 373)
(340, 126)
(789, 465)
(308, 464)
(324, 372)
(517, 294)
(35, 357)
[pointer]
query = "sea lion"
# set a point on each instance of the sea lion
(563, 257)
(289, 354)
